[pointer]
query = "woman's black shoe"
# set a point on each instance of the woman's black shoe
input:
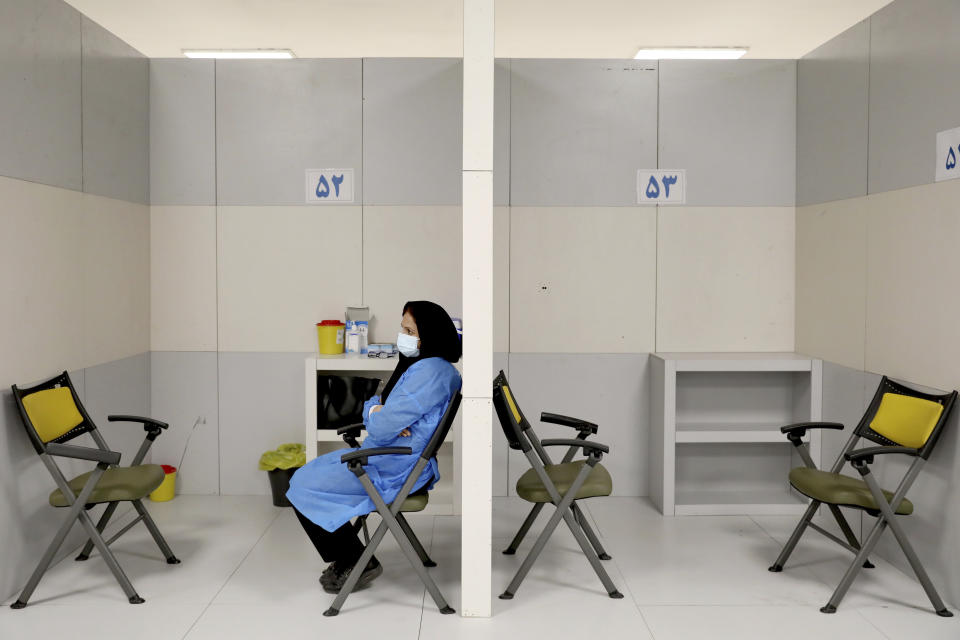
(338, 576)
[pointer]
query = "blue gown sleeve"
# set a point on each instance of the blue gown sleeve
(372, 402)
(401, 410)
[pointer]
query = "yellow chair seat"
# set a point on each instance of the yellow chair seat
(835, 488)
(121, 483)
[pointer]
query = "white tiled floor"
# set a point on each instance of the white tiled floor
(249, 572)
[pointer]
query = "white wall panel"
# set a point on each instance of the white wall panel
(410, 253)
(116, 279)
(283, 269)
(832, 281)
(913, 270)
(41, 253)
(183, 278)
(725, 279)
(501, 278)
(582, 279)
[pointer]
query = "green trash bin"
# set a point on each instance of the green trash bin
(280, 465)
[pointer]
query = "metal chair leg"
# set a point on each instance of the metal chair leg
(584, 523)
(110, 559)
(47, 558)
(524, 528)
(851, 573)
(848, 532)
(104, 519)
(155, 532)
(591, 555)
(788, 548)
(415, 542)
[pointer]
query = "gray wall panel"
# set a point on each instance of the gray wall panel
(121, 387)
(261, 407)
(412, 131)
(914, 93)
(116, 117)
(732, 126)
(277, 118)
(579, 131)
(40, 88)
(183, 388)
(832, 103)
(501, 133)
(182, 132)
(611, 390)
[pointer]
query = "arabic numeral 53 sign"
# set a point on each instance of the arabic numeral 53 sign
(948, 155)
(661, 186)
(329, 185)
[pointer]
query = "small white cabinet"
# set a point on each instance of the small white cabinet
(715, 441)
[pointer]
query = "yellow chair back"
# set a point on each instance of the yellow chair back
(52, 412)
(906, 420)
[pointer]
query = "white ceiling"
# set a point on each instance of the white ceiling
(432, 28)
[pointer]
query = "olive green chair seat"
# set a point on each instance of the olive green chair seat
(598, 483)
(416, 502)
(836, 488)
(116, 484)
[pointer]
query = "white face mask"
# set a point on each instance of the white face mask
(408, 345)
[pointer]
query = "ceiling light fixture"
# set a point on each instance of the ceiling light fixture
(690, 53)
(240, 54)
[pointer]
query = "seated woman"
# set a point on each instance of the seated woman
(326, 495)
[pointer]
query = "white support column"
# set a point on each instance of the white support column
(476, 436)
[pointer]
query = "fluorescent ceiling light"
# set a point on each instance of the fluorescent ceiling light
(270, 54)
(690, 53)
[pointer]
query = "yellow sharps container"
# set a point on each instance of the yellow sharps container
(330, 337)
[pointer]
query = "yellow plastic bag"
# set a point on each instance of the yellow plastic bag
(286, 456)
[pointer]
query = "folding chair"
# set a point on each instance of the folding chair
(899, 419)
(558, 484)
(585, 430)
(52, 415)
(392, 514)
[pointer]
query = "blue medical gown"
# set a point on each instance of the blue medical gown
(326, 491)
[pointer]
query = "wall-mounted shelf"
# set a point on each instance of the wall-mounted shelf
(716, 446)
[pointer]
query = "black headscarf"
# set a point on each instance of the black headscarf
(438, 339)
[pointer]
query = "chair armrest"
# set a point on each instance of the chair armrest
(802, 427)
(586, 445)
(350, 433)
(83, 453)
(567, 421)
(149, 424)
(359, 457)
(350, 427)
(862, 457)
(795, 432)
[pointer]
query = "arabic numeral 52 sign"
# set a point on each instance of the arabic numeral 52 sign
(329, 185)
(661, 186)
(948, 155)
